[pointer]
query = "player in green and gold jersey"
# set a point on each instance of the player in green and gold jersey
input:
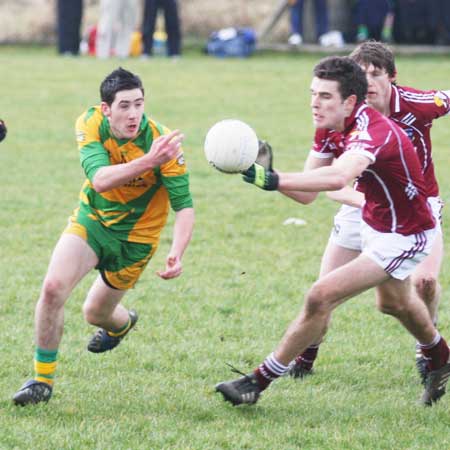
(135, 171)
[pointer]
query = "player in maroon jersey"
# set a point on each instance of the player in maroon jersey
(398, 229)
(414, 111)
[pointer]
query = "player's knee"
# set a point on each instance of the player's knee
(392, 308)
(92, 314)
(53, 292)
(426, 287)
(317, 301)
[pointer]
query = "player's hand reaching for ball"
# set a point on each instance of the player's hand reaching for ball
(259, 176)
(164, 148)
(173, 268)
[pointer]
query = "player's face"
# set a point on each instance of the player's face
(379, 88)
(329, 110)
(125, 113)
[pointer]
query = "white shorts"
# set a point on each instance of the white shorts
(397, 254)
(346, 231)
(436, 205)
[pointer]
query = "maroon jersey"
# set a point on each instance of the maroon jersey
(414, 111)
(393, 184)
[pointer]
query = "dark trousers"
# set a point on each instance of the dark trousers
(172, 25)
(372, 14)
(69, 23)
(320, 16)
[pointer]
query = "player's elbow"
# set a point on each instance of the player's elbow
(99, 182)
(308, 198)
(98, 186)
(338, 182)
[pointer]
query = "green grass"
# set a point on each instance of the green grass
(244, 280)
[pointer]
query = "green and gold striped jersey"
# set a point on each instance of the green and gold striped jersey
(138, 210)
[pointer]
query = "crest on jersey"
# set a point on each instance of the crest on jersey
(440, 99)
(181, 160)
(409, 132)
(81, 136)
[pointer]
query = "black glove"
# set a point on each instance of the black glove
(3, 130)
(265, 155)
(259, 176)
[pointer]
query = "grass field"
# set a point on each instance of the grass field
(244, 280)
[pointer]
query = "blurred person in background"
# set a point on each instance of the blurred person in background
(172, 26)
(374, 20)
(321, 20)
(115, 27)
(69, 22)
(414, 21)
(440, 19)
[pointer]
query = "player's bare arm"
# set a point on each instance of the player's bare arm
(306, 197)
(328, 178)
(163, 149)
(182, 233)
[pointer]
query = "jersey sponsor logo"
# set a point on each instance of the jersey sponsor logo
(361, 135)
(81, 136)
(136, 182)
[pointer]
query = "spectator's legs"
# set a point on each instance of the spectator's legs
(321, 16)
(126, 27)
(106, 27)
(69, 22)
(172, 22)
(297, 17)
(148, 26)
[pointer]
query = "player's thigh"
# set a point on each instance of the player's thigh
(431, 265)
(71, 260)
(336, 256)
(103, 298)
(351, 279)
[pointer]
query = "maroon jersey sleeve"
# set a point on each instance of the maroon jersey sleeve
(326, 144)
(424, 105)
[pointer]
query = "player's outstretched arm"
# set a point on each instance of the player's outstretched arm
(329, 178)
(182, 233)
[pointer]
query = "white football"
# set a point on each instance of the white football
(231, 146)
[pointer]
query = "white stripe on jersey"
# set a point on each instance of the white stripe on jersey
(409, 119)
(397, 98)
(388, 196)
(426, 150)
(400, 147)
(362, 122)
(417, 97)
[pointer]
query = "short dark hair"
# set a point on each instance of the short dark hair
(376, 53)
(119, 80)
(350, 77)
